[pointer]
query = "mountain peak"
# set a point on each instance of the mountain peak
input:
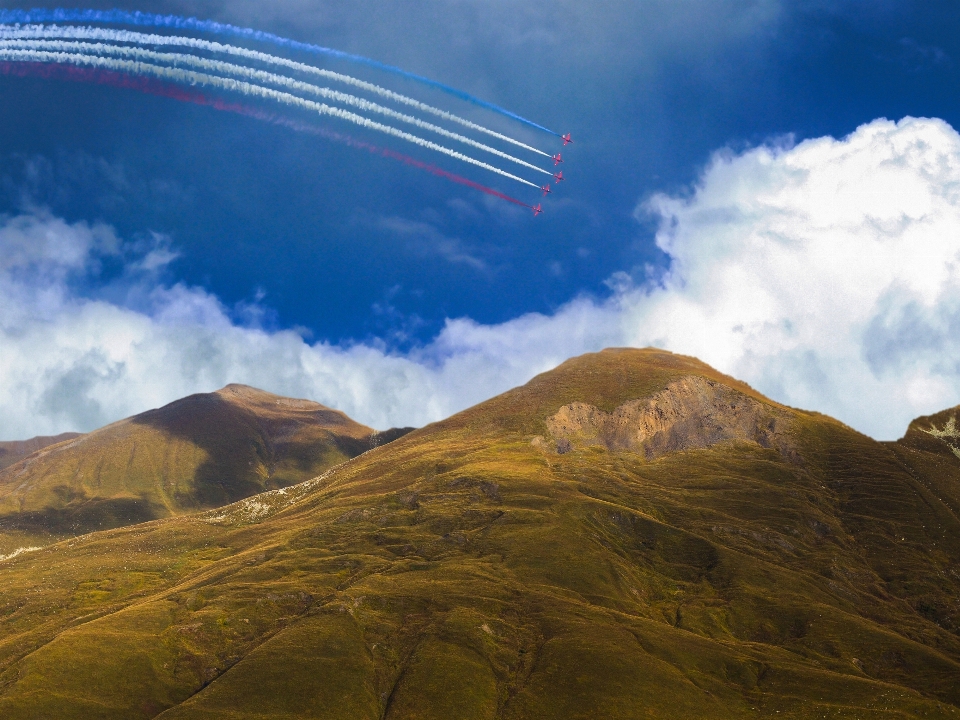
(604, 380)
(284, 408)
(236, 391)
(201, 451)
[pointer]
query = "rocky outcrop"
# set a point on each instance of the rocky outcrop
(689, 413)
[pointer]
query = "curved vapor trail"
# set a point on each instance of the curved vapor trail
(137, 18)
(259, 76)
(376, 150)
(152, 86)
(121, 36)
(228, 84)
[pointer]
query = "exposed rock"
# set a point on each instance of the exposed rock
(948, 434)
(690, 413)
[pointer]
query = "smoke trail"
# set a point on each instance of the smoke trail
(119, 36)
(376, 150)
(259, 76)
(228, 84)
(137, 18)
(157, 87)
(103, 77)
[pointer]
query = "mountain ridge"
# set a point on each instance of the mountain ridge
(12, 451)
(471, 569)
(198, 452)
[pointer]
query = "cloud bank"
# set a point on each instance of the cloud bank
(826, 274)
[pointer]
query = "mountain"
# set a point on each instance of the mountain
(631, 535)
(12, 451)
(200, 452)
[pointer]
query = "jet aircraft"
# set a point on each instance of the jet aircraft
(537, 209)
(546, 189)
(559, 176)
(557, 159)
(566, 139)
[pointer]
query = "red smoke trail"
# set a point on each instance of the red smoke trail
(375, 149)
(102, 77)
(151, 86)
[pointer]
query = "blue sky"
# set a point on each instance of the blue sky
(265, 233)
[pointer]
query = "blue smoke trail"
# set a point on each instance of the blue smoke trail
(123, 17)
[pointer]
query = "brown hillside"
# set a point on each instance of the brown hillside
(930, 452)
(202, 451)
(632, 535)
(13, 450)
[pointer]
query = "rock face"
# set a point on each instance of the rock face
(949, 435)
(690, 413)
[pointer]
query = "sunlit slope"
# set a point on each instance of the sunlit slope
(632, 535)
(199, 452)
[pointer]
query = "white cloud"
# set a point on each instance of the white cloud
(827, 275)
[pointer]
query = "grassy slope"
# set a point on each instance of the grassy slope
(14, 451)
(200, 452)
(463, 573)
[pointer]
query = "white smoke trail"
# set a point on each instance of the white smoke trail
(106, 34)
(195, 78)
(260, 76)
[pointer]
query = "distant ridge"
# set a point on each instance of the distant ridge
(203, 451)
(13, 450)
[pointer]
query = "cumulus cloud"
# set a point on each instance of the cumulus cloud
(826, 274)
(72, 357)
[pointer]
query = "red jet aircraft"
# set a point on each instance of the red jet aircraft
(557, 159)
(546, 189)
(537, 210)
(559, 176)
(566, 139)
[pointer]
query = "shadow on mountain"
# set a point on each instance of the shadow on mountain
(237, 444)
(81, 516)
(357, 446)
(256, 442)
